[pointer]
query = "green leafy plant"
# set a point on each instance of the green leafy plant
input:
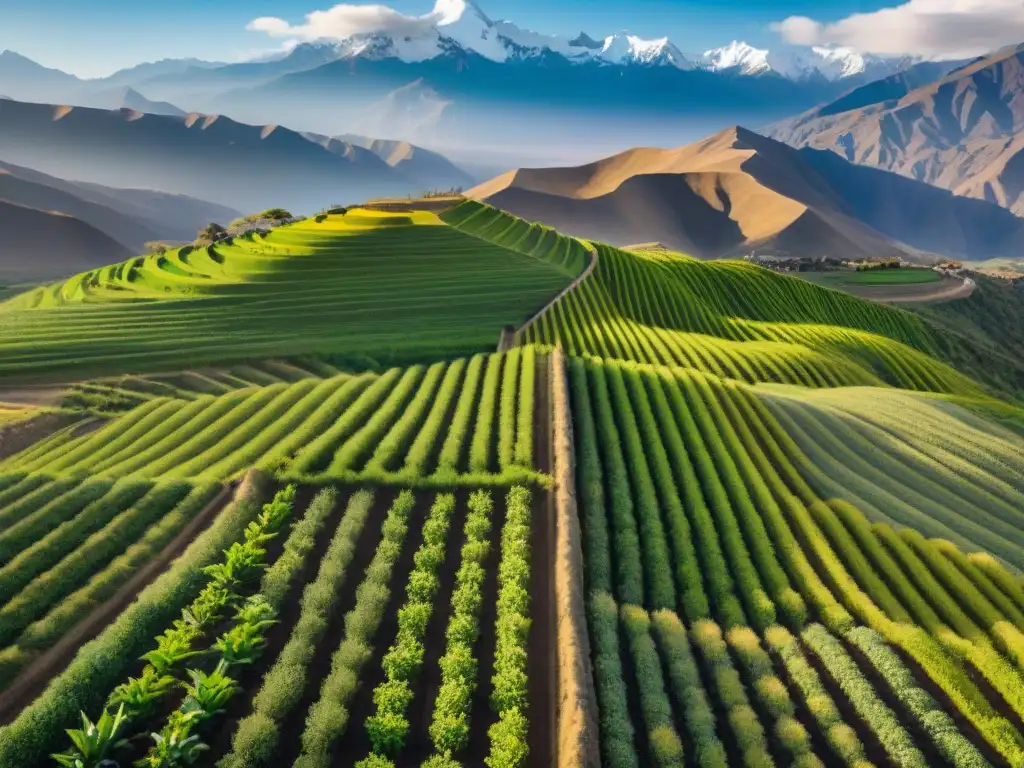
(93, 742)
(140, 694)
(211, 692)
(176, 745)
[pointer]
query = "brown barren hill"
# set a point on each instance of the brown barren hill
(42, 245)
(737, 192)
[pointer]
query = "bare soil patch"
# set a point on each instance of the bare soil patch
(16, 437)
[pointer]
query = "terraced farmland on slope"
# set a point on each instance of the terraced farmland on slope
(797, 540)
(362, 286)
(468, 421)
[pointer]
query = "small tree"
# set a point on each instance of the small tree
(275, 214)
(156, 246)
(212, 231)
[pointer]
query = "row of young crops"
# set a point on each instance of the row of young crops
(695, 509)
(465, 421)
(308, 632)
(738, 321)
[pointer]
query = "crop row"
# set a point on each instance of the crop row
(137, 699)
(62, 596)
(663, 742)
(741, 322)
(256, 740)
(842, 739)
(328, 717)
(63, 577)
(450, 725)
(939, 726)
(436, 293)
(388, 727)
(744, 725)
(370, 428)
(879, 718)
(509, 692)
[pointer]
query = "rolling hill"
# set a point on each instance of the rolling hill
(690, 513)
(962, 132)
(736, 192)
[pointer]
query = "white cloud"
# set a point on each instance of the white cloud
(941, 29)
(345, 20)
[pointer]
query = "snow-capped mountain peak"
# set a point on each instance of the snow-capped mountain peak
(463, 26)
(625, 48)
(738, 55)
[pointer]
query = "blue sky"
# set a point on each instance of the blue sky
(95, 38)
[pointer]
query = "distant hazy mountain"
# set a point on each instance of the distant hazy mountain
(128, 217)
(736, 192)
(428, 169)
(126, 97)
(246, 167)
(963, 131)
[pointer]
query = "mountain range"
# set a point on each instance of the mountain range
(244, 167)
(463, 80)
(737, 192)
(961, 131)
(50, 227)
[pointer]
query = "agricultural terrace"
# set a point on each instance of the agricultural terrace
(368, 284)
(699, 515)
(465, 422)
(737, 320)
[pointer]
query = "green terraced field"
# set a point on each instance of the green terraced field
(357, 287)
(700, 515)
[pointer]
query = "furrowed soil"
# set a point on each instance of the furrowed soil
(419, 746)
(320, 667)
(355, 744)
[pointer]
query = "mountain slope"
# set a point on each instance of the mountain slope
(737, 191)
(39, 245)
(245, 167)
(961, 132)
(132, 217)
(430, 170)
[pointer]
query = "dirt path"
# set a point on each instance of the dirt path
(542, 670)
(16, 437)
(536, 315)
(52, 662)
(925, 293)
